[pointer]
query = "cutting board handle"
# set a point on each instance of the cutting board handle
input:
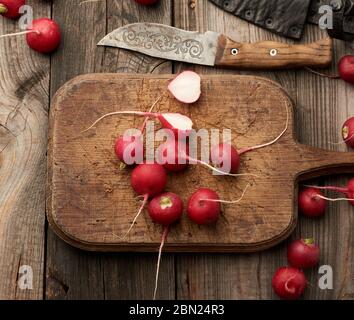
(316, 162)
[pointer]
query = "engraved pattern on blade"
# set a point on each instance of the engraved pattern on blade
(165, 42)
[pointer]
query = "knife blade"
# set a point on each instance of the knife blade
(215, 49)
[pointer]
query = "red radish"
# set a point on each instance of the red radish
(179, 124)
(11, 8)
(204, 206)
(350, 191)
(164, 209)
(347, 191)
(311, 203)
(130, 149)
(289, 283)
(173, 155)
(186, 87)
(147, 180)
(226, 157)
(303, 254)
(346, 68)
(46, 36)
(146, 2)
(43, 36)
(348, 132)
(201, 211)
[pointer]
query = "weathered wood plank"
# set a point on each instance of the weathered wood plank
(24, 87)
(74, 274)
(322, 106)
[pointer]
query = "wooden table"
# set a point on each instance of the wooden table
(28, 80)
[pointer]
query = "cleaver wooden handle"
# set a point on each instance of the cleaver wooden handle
(273, 55)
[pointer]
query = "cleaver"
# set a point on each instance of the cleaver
(215, 49)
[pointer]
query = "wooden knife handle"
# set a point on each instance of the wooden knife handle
(273, 55)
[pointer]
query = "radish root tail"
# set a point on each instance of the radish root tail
(219, 171)
(230, 202)
(329, 188)
(244, 150)
(88, 1)
(344, 141)
(138, 113)
(18, 33)
(163, 240)
(330, 76)
(146, 197)
(334, 200)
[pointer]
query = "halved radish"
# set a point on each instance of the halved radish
(186, 87)
(180, 124)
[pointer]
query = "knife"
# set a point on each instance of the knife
(288, 17)
(214, 49)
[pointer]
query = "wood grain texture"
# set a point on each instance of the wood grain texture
(91, 203)
(24, 87)
(71, 273)
(273, 55)
(322, 106)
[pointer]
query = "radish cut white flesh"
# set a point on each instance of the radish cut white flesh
(186, 87)
(178, 121)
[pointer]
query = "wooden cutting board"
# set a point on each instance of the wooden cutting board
(90, 200)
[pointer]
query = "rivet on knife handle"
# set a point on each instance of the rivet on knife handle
(273, 55)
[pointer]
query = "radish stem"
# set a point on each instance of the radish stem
(3, 9)
(164, 237)
(150, 111)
